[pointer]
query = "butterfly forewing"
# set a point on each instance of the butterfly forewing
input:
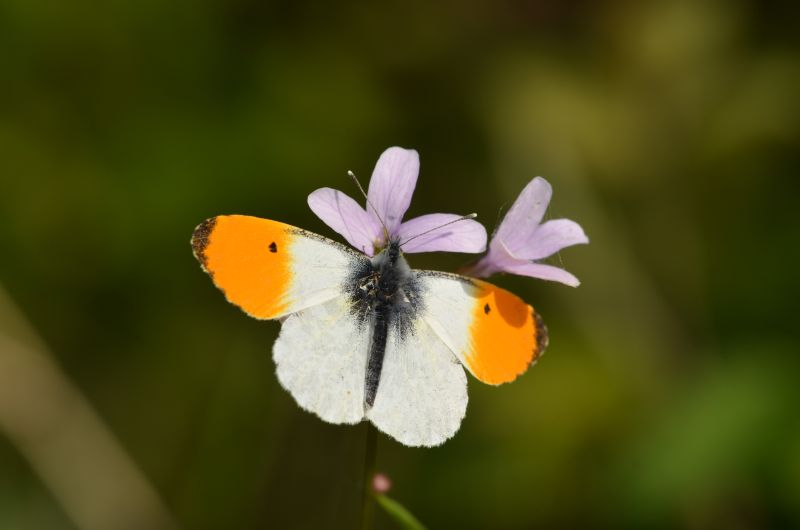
(271, 269)
(492, 331)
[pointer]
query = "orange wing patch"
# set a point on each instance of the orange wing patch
(249, 260)
(507, 335)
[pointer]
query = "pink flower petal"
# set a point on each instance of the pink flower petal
(544, 272)
(551, 237)
(499, 255)
(346, 217)
(466, 236)
(522, 220)
(392, 185)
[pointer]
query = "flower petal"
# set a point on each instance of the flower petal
(392, 185)
(346, 217)
(522, 220)
(544, 272)
(551, 237)
(466, 236)
(499, 255)
(498, 259)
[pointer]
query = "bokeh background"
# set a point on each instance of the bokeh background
(133, 396)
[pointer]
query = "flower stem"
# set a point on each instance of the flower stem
(370, 452)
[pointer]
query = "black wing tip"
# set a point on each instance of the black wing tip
(542, 335)
(200, 239)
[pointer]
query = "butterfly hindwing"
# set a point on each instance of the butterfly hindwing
(271, 269)
(422, 394)
(493, 332)
(321, 359)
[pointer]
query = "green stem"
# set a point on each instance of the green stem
(370, 452)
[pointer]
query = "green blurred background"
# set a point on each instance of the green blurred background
(669, 130)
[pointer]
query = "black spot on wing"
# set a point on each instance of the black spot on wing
(200, 239)
(487, 309)
(273, 247)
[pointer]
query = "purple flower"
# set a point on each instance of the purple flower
(522, 239)
(390, 189)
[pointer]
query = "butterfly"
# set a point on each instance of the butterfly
(363, 335)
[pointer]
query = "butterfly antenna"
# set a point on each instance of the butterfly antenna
(462, 218)
(361, 189)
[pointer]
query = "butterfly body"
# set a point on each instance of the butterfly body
(384, 297)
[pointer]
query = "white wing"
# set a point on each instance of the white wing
(422, 394)
(321, 358)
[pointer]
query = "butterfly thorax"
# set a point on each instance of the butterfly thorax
(385, 297)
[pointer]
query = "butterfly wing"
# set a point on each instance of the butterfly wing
(271, 269)
(321, 359)
(422, 393)
(493, 332)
